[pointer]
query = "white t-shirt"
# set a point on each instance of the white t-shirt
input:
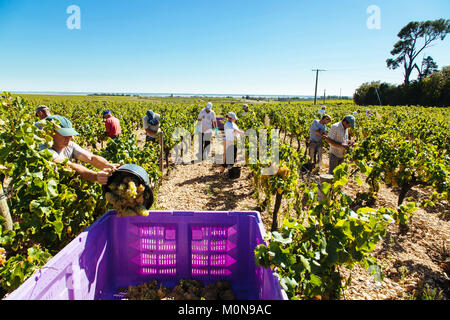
(339, 134)
(206, 120)
(230, 133)
(72, 151)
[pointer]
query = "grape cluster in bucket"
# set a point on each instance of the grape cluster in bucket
(127, 198)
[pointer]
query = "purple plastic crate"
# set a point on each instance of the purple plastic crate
(220, 122)
(116, 252)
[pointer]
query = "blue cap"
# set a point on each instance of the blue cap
(65, 126)
(106, 112)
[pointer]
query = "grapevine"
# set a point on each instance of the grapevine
(400, 148)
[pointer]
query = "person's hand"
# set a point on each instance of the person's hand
(116, 166)
(102, 176)
(113, 166)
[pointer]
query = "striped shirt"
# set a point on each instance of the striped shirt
(339, 134)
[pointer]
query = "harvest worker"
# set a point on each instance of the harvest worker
(112, 124)
(42, 112)
(64, 148)
(317, 132)
(151, 125)
(368, 113)
(247, 112)
(206, 123)
(322, 111)
(232, 132)
(245, 109)
(338, 140)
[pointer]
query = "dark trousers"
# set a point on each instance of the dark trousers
(334, 162)
(315, 152)
(149, 139)
(228, 151)
(204, 143)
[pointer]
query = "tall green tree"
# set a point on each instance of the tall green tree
(414, 38)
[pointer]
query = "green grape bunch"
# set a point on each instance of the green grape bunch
(186, 289)
(127, 198)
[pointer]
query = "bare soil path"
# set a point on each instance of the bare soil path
(201, 187)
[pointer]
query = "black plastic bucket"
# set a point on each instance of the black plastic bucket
(234, 172)
(138, 175)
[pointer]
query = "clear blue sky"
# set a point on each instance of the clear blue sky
(205, 46)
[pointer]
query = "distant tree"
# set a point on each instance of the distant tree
(366, 94)
(445, 93)
(431, 90)
(407, 49)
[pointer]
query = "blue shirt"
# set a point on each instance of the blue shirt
(316, 125)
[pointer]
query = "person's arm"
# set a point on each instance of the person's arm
(214, 121)
(90, 175)
(238, 131)
(97, 161)
(322, 135)
(331, 141)
(101, 163)
(348, 143)
(336, 144)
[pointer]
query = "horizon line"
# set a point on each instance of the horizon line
(167, 93)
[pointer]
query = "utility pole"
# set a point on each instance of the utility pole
(324, 96)
(317, 77)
